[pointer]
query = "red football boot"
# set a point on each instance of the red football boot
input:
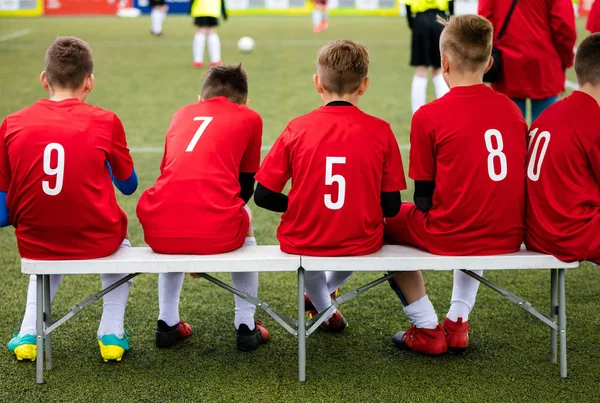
(167, 336)
(457, 335)
(335, 324)
(425, 341)
(308, 305)
(198, 65)
(324, 25)
(215, 64)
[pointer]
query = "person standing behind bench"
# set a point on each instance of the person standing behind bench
(198, 203)
(563, 171)
(57, 158)
(537, 48)
(346, 174)
(425, 47)
(467, 159)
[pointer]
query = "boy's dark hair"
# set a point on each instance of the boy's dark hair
(230, 82)
(587, 60)
(68, 62)
(468, 39)
(342, 65)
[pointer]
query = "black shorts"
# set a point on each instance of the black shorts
(426, 32)
(154, 3)
(203, 22)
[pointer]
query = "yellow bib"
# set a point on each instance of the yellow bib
(419, 6)
(206, 8)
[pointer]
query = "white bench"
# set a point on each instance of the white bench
(271, 259)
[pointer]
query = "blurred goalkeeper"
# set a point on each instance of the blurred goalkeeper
(425, 48)
(206, 15)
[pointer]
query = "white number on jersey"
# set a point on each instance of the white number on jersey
(58, 171)
(495, 153)
(205, 122)
(330, 179)
(533, 169)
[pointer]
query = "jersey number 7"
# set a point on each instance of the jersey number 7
(205, 122)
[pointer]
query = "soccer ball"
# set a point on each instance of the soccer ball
(245, 44)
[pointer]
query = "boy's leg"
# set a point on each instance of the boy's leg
(418, 94)
(250, 332)
(157, 17)
(169, 328)
(112, 338)
(539, 105)
(335, 279)
(198, 46)
(23, 343)
(214, 47)
(522, 104)
(441, 88)
(456, 323)
(325, 16)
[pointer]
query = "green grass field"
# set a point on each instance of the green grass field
(145, 80)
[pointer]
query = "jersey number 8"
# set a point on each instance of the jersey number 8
(496, 153)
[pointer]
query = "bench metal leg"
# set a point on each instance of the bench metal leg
(562, 318)
(39, 302)
(553, 313)
(47, 322)
(301, 328)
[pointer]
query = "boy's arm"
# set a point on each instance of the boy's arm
(119, 162)
(409, 16)
(422, 160)
(393, 180)
(423, 196)
(564, 34)
(5, 177)
(390, 204)
(451, 7)
(223, 10)
(250, 162)
(272, 176)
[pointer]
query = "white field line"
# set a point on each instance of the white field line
(571, 85)
(161, 43)
(156, 150)
(15, 34)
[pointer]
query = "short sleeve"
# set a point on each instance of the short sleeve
(5, 174)
(251, 159)
(276, 169)
(393, 171)
(422, 148)
(119, 157)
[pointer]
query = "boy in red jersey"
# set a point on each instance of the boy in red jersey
(198, 203)
(563, 172)
(57, 158)
(346, 174)
(468, 170)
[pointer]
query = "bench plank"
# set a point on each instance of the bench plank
(264, 258)
(405, 258)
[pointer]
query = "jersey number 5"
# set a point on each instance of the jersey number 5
(496, 153)
(330, 179)
(58, 171)
(205, 122)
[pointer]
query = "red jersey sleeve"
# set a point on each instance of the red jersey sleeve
(486, 9)
(276, 169)
(564, 34)
(422, 148)
(251, 159)
(393, 171)
(5, 174)
(119, 157)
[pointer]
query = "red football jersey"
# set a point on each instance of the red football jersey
(563, 179)
(60, 196)
(197, 193)
(472, 143)
(340, 160)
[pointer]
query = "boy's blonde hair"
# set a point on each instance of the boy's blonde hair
(68, 62)
(342, 65)
(467, 39)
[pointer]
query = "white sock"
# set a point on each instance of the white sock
(198, 48)
(214, 48)
(325, 16)
(418, 95)
(317, 290)
(464, 293)
(163, 17)
(156, 19)
(29, 320)
(169, 290)
(317, 17)
(247, 282)
(335, 279)
(422, 314)
(113, 306)
(441, 88)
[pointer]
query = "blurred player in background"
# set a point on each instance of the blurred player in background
(425, 48)
(206, 19)
(57, 158)
(346, 173)
(468, 169)
(563, 173)
(198, 203)
(158, 16)
(320, 16)
(593, 20)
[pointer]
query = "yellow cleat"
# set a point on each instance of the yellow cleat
(113, 348)
(23, 347)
